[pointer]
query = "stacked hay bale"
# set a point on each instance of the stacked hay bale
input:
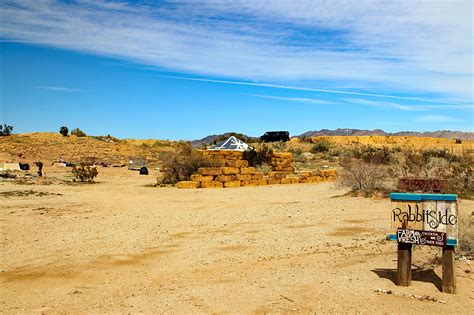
(234, 171)
(225, 177)
(282, 162)
(317, 176)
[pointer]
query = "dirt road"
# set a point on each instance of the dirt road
(121, 247)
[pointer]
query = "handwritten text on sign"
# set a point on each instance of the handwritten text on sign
(421, 237)
(424, 214)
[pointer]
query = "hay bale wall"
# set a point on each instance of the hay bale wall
(236, 172)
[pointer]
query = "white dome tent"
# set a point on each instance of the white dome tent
(232, 144)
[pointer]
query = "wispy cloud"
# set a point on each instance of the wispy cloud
(432, 119)
(411, 107)
(58, 88)
(294, 99)
(411, 47)
(299, 88)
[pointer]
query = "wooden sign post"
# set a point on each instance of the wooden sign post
(425, 219)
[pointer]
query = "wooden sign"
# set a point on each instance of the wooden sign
(422, 185)
(425, 219)
(425, 212)
(421, 237)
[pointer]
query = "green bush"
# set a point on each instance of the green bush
(182, 163)
(84, 174)
(78, 133)
(64, 131)
(321, 146)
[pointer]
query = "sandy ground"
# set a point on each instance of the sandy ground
(121, 247)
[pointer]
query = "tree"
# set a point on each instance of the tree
(64, 131)
(78, 132)
(5, 130)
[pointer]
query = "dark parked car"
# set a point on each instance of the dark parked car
(272, 136)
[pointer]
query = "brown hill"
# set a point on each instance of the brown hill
(47, 147)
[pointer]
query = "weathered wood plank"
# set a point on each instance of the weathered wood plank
(449, 277)
(404, 264)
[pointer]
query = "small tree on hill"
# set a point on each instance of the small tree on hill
(78, 133)
(64, 131)
(5, 130)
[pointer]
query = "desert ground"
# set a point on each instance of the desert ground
(123, 246)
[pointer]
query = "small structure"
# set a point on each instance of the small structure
(143, 171)
(233, 144)
(135, 163)
(10, 167)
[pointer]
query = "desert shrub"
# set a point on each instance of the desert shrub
(107, 138)
(181, 164)
(258, 157)
(461, 178)
(5, 130)
(466, 235)
(280, 145)
(64, 131)
(240, 136)
(298, 155)
(437, 153)
(78, 133)
(371, 154)
(321, 146)
(367, 178)
(264, 168)
(84, 174)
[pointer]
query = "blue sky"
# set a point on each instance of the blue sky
(187, 69)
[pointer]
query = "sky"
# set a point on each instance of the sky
(188, 69)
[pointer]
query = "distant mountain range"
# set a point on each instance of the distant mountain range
(354, 132)
(378, 132)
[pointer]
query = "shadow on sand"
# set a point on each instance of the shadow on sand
(417, 274)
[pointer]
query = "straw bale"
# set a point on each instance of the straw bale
(226, 178)
(236, 163)
(210, 170)
(202, 178)
(188, 184)
(243, 176)
(233, 183)
(248, 170)
(212, 184)
(230, 170)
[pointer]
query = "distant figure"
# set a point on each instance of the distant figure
(40, 168)
(144, 171)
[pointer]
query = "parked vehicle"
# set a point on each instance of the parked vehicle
(273, 136)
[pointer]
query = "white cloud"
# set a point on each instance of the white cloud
(58, 88)
(411, 107)
(434, 119)
(422, 47)
(294, 99)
